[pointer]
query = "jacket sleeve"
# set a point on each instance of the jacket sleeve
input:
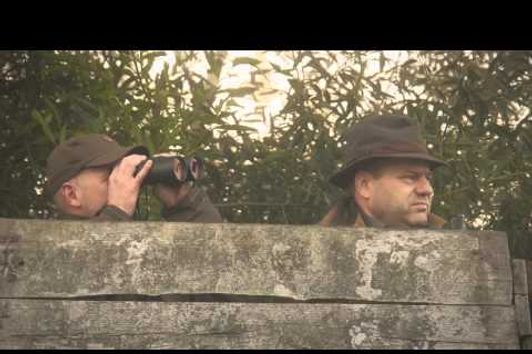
(112, 213)
(195, 207)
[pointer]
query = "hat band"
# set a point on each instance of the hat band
(402, 148)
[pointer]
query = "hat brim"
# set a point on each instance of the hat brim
(114, 155)
(108, 158)
(345, 175)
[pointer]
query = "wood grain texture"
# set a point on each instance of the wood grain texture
(79, 258)
(138, 325)
(520, 280)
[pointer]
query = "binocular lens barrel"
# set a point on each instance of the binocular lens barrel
(173, 170)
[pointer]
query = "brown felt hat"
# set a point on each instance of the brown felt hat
(382, 136)
(75, 154)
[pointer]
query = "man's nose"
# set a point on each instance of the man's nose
(424, 187)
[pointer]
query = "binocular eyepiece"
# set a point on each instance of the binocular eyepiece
(173, 170)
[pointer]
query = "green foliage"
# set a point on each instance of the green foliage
(473, 106)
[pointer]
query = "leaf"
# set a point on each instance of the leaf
(88, 106)
(382, 61)
(62, 134)
(241, 91)
(215, 63)
(150, 56)
(278, 69)
(233, 103)
(44, 122)
(129, 83)
(409, 62)
(246, 60)
(236, 127)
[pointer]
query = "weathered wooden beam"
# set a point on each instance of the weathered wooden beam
(529, 276)
(138, 325)
(520, 278)
(74, 258)
(521, 308)
(521, 300)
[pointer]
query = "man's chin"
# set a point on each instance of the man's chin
(418, 220)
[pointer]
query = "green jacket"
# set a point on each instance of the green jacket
(196, 207)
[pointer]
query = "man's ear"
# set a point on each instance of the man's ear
(70, 194)
(363, 184)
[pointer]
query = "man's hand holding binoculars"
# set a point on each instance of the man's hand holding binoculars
(124, 185)
(166, 172)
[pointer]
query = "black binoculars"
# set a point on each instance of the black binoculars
(173, 170)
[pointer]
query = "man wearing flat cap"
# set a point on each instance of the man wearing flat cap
(93, 177)
(387, 176)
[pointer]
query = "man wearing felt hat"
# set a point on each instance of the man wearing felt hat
(387, 176)
(93, 177)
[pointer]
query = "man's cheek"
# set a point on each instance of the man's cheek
(395, 197)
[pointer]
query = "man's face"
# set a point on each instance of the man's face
(92, 184)
(400, 193)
